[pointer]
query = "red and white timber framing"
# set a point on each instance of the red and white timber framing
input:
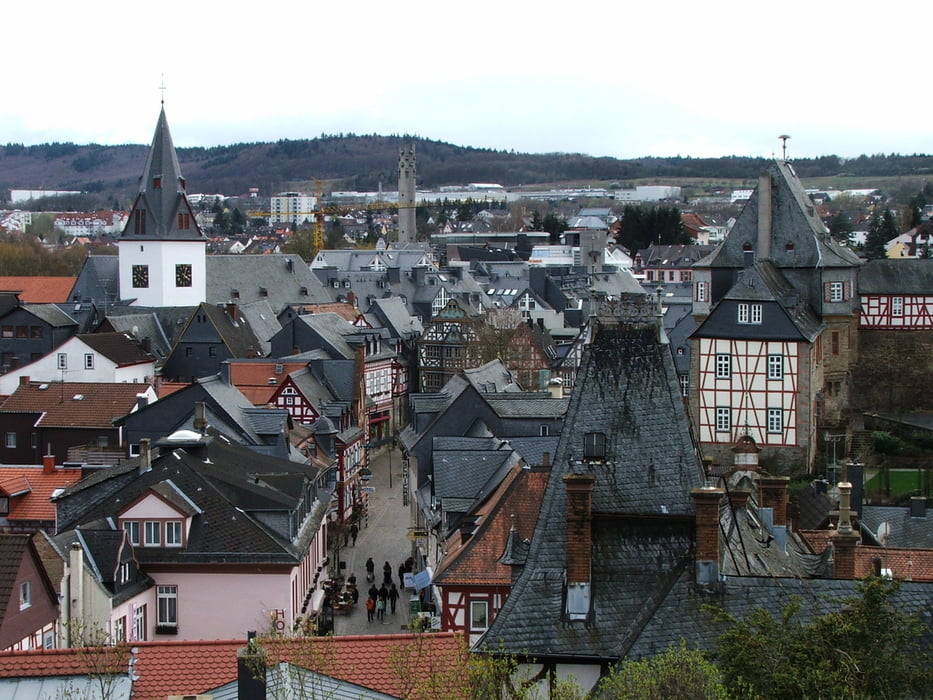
(893, 312)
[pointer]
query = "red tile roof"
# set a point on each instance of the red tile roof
(401, 665)
(251, 377)
(36, 503)
(99, 404)
(39, 290)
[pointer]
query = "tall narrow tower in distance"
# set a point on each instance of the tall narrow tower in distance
(407, 233)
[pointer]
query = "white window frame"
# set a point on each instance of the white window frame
(837, 291)
(897, 306)
(89, 360)
(25, 595)
(10, 440)
(62, 360)
(701, 291)
(775, 366)
(756, 314)
(139, 624)
(152, 527)
(479, 605)
(743, 313)
(167, 606)
(685, 385)
(131, 527)
(119, 629)
(723, 365)
(173, 533)
(775, 420)
(723, 419)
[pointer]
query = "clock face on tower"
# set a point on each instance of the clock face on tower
(140, 276)
(183, 275)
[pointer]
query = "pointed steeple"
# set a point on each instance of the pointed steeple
(161, 210)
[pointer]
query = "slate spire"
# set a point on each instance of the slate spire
(161, 210)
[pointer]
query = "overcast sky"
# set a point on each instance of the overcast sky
(605, 78)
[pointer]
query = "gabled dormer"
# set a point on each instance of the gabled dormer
(160, 518)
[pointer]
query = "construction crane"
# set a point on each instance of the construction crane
(318, 226)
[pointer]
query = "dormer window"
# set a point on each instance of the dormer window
(153, 534)
(157, 182)
(594, 446)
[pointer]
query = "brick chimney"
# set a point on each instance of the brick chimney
(145, 455)
(772, 495)
(233, 311)
(48, 464)
(845, 539)
(24, 380)
(707, 501)
(579, 527)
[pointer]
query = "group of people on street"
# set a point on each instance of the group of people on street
(379, 599)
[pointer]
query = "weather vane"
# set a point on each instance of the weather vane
(784, 138)
(162, 89)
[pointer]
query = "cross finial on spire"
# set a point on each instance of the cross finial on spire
(162, 89)
(784, 138)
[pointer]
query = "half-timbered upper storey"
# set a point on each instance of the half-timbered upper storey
(896, 295)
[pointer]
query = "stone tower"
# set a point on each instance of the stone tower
(407, 232)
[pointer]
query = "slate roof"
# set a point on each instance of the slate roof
(13, 549)
(161, 326)
(237, 335)
(119, 348)
(278, 279)
(74, 404)
(527, 405)
(225, 482)
(39, 290)
(627, 390)
(493, 376)
(51, 314)
(798, 236)
(98, 281)
(892, 277)
(31, 490)
(904, 530)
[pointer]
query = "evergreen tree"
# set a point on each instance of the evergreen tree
(840, 228)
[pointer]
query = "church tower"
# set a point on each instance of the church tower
(162, 250)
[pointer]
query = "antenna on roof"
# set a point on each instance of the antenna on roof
(784, 138)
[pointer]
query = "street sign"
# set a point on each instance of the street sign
(368, 489)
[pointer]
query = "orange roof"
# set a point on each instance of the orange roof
(401, 665)
(164, 389)
(74, 404)
(36, 503)
(251, 377)
(40, 290)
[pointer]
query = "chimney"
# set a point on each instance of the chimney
(772, 492)
(200, 418)
(918, 507)
(141, 401)
(707, 500)
(579, 544)
(351, 298)
(24, 380)
(579, 526)
(738, 498)
(546, 459)
(145, 455)
(233, 311)
(844, 540)
(48, 464)
(764, 216)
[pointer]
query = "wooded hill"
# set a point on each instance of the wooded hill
(353, 162)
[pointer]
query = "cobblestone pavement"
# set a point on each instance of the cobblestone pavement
(384, 537)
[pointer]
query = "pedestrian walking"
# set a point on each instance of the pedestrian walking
(387, 574)
(370, 570)
(373, 592)
(393, 598)
(354, 531)
(401, 575)
(370, 609)
(380, 609)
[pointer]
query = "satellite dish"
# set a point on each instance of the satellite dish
(884, 532)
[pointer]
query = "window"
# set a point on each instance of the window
(723, 419)
(89, 360)
(594, 446)
(8, 331)
(139, 624)
(743, 313)
(10, 440)
(834, 342)
(479, 615)
(35, 331)
(544, 431)
(756, 314)
(189, 351)
(4, 505)
(897, 306)
(723, 365)
(153, 533)
(686, 276)
(22, 331)
(132, 531)
(25, 595)
(124, 573)
(119, 630)
(685, 385)
(184, 220)
(63, 360)
(702, 289)
(836, 291)
(212, 351)
(775, 366)
(750, 313)
(173, 533)
(139, 222)
(775, 420)
(167, 606)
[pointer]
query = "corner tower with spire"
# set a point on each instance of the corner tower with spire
(162, 250)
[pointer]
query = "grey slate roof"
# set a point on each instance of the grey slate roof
(278, 279)
(905, 277)
(51, 314)
(627, 390)
(904, 530)
(798, 236)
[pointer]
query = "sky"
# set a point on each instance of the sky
(614, 79)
